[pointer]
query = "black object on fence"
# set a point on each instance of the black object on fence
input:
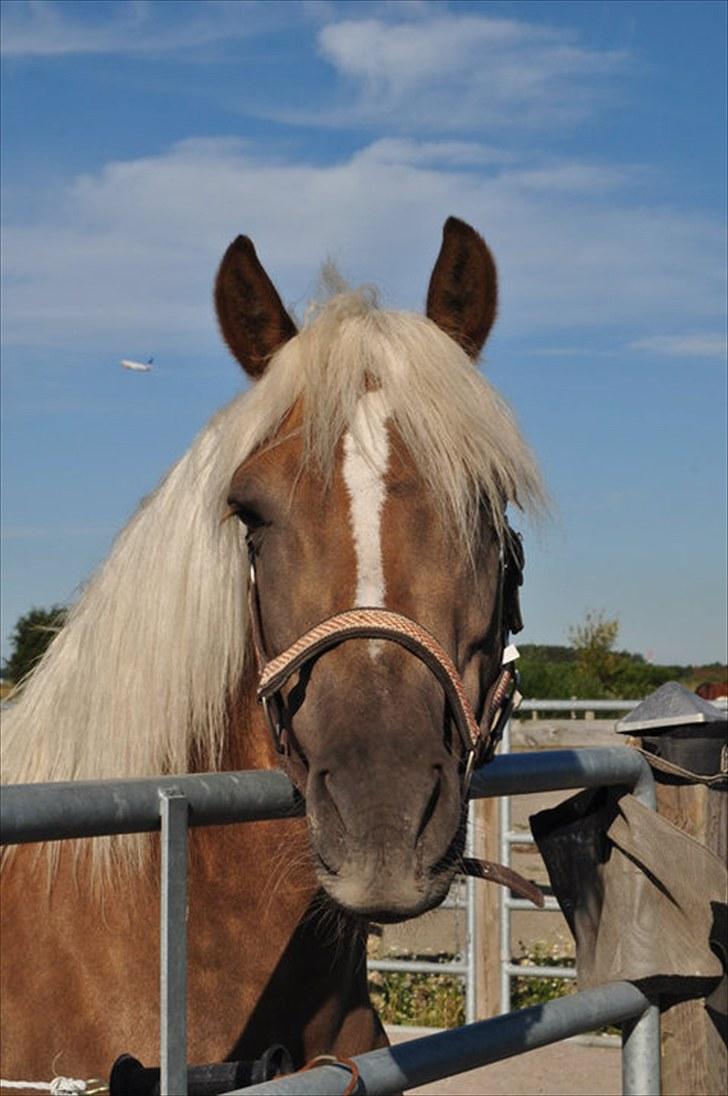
(130, 1078)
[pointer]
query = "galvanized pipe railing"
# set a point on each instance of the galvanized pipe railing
(94, 808)
(52, 812)
(422, 1061)
(40, 812)
(557, 770)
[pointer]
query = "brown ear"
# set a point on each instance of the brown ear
(251, 315)
(463, 294)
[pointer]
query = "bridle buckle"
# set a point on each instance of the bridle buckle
(272, 715)
(470, 765)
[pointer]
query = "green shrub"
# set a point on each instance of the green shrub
(536, 991)
(419, 1000)
(438, 1000)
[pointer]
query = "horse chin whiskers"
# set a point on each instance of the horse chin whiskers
(382, 903)
(337, 927)
(392, 916)
(451, 861)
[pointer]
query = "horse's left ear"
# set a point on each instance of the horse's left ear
(252, 318)
(463, 293)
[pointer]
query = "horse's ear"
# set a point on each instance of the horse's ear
(463, 293)
(251, 315)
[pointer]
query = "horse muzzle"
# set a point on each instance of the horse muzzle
(388, 837)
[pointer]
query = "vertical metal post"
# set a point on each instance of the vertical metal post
(173, 951)
(641, 1037)
(505, 894)
(470, 929)
(641, 1054)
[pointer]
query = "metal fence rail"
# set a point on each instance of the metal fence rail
(95, 808)
(38, 812)
(421, 1061)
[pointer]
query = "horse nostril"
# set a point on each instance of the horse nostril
(327, 867)
(325, 783)
(431, 803)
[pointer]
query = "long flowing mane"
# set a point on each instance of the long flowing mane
(138, 680)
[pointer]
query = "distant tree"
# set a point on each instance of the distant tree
(33, 632)
(597, 664)
(634, 678)
(592, 669)
(547, 680)
(542, 652)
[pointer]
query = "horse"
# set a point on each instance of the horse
(366, 469)
(712, 690)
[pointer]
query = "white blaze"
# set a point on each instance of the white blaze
(366, 454)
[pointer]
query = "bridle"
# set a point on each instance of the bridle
(479, 738)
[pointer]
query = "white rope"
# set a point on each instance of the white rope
(59, 1086)
(41, 1086)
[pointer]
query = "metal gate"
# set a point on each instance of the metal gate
(41, 812)
(462, 894)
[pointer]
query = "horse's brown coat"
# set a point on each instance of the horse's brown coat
(371, 844)
(271, 959)
(87, 987)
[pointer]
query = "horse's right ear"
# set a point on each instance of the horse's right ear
(251, 315)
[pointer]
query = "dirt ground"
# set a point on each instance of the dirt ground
(563, 1069)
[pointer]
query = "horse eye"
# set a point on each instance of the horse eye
(249, 517)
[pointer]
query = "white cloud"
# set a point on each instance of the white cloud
(454, 153)
(696, 345)
(41, 28)
(133, 249)
(454, 71)
(413, 68)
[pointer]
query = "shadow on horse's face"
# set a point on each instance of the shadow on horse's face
(369, 737)
(367, 732)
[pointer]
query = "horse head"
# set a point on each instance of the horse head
(383, 486)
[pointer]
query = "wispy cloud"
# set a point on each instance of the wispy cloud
(132, 249)
(401, 150)
(453, 71)
(405, 68)
(696, 345)
(46, 28)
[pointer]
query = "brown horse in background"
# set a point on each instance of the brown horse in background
(712, 690)
(369, 465)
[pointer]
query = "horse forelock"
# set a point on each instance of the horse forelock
(139, 679)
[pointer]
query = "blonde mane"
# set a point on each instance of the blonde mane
(137, 681)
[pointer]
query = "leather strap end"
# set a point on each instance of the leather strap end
(505, 877)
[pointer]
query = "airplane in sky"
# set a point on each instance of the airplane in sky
(137, 367)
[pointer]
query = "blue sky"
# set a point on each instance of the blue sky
(585, 140)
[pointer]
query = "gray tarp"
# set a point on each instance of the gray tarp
(645, 902)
